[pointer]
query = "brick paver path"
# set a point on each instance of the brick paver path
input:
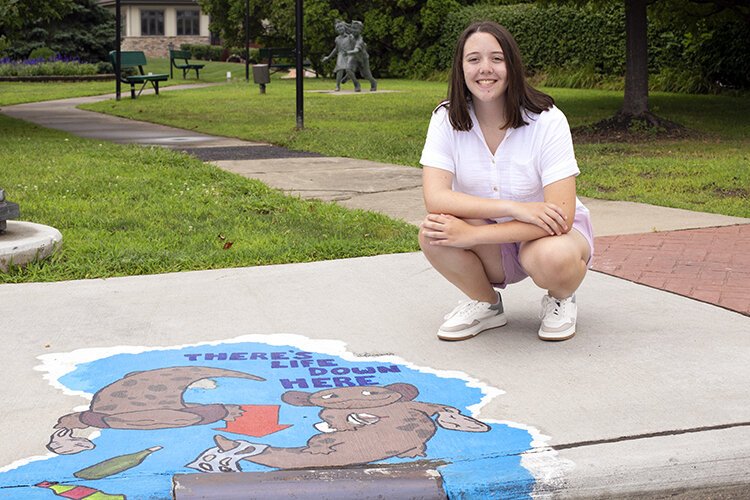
(711, 264)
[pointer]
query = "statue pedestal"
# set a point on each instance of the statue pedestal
(365, 91)
(24, 242)
(8, 210)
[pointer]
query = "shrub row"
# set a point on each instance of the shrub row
(551, 36)
(206, 52)
(588, 44)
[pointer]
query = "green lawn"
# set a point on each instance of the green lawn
(127, 210)
(710, 172)
(23, 92)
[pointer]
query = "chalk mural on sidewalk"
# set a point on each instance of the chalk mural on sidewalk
(146, 400)
(386, 419)
(260, 403)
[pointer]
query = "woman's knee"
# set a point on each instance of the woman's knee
(434, 253)
(550, 259)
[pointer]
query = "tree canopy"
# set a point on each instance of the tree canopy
(83, 30)
(691, 12)
(14, 14)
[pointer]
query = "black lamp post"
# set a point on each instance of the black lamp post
(299, 66)
(118, 61)
(247, 40)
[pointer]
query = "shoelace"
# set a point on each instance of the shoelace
(551, 306)
(464, 309)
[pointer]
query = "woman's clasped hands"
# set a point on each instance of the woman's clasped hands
(544, 214)
(448, 230)
(444, 229)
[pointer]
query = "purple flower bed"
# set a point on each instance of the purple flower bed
(40, 66)
(40, 60)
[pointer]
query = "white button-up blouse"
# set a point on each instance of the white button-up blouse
(529, 157)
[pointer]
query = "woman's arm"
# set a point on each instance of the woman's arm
(446, 228)
(440, 198)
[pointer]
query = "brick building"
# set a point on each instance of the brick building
(151, 26)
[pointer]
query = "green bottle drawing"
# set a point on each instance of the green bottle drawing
(78, 492)
(115, 465)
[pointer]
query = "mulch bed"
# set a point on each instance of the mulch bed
(625, 128)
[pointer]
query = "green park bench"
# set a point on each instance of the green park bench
(180, 59)
(131, 59)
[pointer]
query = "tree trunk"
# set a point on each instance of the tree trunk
(636, 59)
(634, 120)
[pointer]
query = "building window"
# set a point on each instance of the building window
(188, 22)
(152, 22)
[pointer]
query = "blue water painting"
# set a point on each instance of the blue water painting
(285, 398)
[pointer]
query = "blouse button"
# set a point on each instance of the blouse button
(494, 188)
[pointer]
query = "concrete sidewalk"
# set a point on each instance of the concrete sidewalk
(650, 399)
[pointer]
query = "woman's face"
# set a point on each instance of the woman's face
(340, 28)
(484, 67)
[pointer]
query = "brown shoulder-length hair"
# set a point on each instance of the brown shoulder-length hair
(519, 95)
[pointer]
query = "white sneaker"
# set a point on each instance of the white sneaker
(558, 318)
(470, 318)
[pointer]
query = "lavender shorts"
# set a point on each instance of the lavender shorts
(512, 268)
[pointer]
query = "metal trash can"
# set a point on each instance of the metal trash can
(261, 76)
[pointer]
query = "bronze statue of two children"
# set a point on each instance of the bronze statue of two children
(351, 56)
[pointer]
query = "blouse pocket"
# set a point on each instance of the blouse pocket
(524, 181)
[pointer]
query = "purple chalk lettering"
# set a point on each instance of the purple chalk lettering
(221, 356)
(299, 382)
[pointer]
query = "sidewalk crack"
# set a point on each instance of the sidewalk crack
(649, 435)
(352, 191)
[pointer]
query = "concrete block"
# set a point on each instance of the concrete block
(23, 242)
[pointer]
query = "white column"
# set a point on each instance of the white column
(204, 25)
(134, 21)
(170, 21)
